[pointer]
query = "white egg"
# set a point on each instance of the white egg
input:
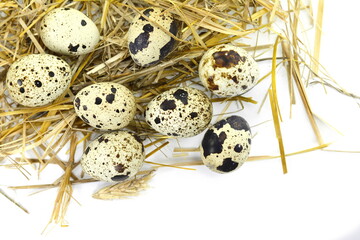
(228, 71)
(148, 43)
(106, 105)
(179, 112)
(113, 157)
(68, 31)
(226, 144)
(37, 79)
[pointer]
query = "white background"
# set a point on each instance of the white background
(318, 199)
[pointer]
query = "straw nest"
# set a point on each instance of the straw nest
(44, 131)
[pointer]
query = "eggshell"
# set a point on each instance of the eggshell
(179, 112)
(226, 144)
(228, 71)
(68, 31)
(37, 79)
(113, 157)
(105, 105)
(148, 43)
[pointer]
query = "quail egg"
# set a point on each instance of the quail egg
(226, 144)
(68, 31)
(37, 79)
(180, 112)
(148, 43)
(113, 157)
(105, 105)
(227, 70)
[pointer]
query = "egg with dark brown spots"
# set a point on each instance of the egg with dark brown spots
(179, 112)
(113, 157)
(105, 105)
(148, 43)
(226, 144)
(68, 31)
(37, 79)
(228, 70)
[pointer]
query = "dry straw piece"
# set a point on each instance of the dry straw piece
(44, 131)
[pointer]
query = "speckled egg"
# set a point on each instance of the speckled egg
(37, 79)
(68, 31)
(113, 157)
(148, 43)
(226, 144)
(179, 112)
(106, 105)
(228, 71)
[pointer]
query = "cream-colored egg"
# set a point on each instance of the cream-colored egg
(148, 43)
(226, 144)
(228, 71)
(37, 79)
(179, 112)
(114, 156)
(68, 31)
(106, 105)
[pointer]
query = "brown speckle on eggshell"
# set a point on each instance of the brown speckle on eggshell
(148, 43)
(37, 79)
(179, 112)
(105, 105)
(69, 31)
(113, 157)
(226, 144)
(228, 71)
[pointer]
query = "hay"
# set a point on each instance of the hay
(45, 131)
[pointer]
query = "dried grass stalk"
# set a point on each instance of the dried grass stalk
(275, 113)
(318, 32)
(13, 201)
(65, 190)
(275, 108)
